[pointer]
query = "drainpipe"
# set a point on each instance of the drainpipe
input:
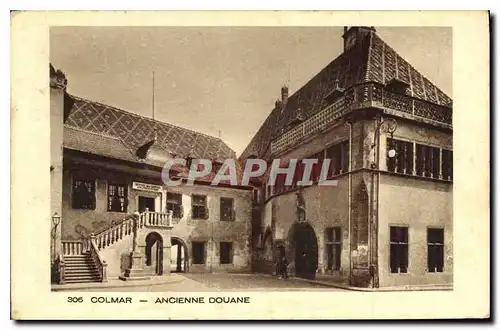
(375, 223)
(374, 202)
(213, 244)
(349, 199)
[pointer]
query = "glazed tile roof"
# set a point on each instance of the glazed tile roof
(134, 131)
(100, 142)
(371, 60)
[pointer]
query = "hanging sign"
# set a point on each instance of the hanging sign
(146, 187)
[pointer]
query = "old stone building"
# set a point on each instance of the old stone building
(388, 133)
(107, 166)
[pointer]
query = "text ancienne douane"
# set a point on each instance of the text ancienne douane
(202, 300)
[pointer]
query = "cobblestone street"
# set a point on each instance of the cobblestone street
(222, 282)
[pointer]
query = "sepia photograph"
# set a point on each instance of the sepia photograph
(127, 100)
(201, 165)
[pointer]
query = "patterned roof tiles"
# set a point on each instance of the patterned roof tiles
(134, 131)
(371, 60)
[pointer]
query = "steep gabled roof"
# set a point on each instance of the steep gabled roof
(384, 64)
(134, 131)
(370, 60)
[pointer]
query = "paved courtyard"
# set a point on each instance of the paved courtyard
(223, 282)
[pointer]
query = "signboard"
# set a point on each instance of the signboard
(146, 187)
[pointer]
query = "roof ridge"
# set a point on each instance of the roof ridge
(144, 117)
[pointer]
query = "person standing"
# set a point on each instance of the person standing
(284, 265)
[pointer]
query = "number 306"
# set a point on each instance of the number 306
(75, 299)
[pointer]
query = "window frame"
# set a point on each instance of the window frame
(232, 216)
(92, 193)
(196, 205)
(442, 250)
(125, 192)
(178, 214)
(427, 160)
(230, 255)
(333, 246)
(391, 243)
(204, 245)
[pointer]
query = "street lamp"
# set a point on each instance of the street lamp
(391, 126)
(56, 220)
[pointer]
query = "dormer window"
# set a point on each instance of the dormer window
(299, 117)
(397, 86)
(189, 159)
(335, 94)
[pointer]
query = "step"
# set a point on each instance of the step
(81, 281)
(81, 266)
(80, 270)
(81, 277)
(77, 256)
(78, 262)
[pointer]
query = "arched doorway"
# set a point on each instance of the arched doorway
(178, 256)
(304, 245)
(154, 253)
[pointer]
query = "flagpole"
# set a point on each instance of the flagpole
(153, 101)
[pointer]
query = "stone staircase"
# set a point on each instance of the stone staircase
(81, 269)
(81, 261)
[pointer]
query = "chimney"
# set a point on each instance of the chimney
(352, 35)
(284, 95)
(277, 103)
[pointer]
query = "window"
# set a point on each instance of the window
(403, 162)
(421, 160)
(255, 196)
(199, 207)
(279, 184)
(83, 194)
(117, 197)
(298, 173)
(226, 252)
(174, 203)
(316, 169)
(333, 241)
(447, 164)
(435, 250)
(428, 160)
(227, 212)
(399, 249)
(339, 158)
(198, 253)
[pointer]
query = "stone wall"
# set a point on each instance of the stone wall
(78, 223)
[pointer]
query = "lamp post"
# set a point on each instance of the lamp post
(56, 220)
(391, 126)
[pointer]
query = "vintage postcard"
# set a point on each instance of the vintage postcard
(240, 165)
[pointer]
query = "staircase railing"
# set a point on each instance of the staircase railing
(96, 257)
(62, 267)
(109, 236)
(113, 234)
(155, 219)
(72, 247)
